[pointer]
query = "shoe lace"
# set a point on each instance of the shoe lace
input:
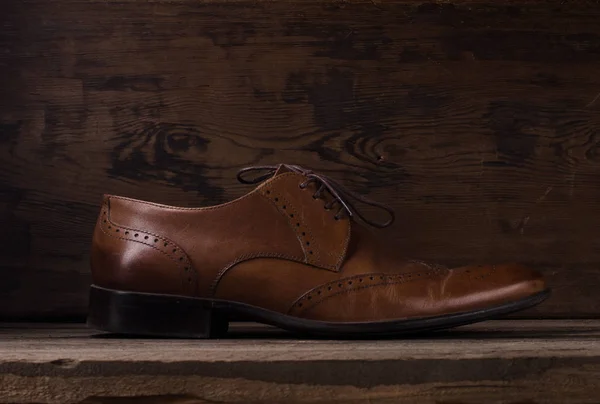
(340, 195)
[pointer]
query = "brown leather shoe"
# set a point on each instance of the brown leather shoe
(291, 254)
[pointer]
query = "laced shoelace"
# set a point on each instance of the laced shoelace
(324, 183)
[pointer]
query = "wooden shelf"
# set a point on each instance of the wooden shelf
(498, 361)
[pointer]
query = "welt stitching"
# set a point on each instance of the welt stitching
(245, 257)
(384, 283)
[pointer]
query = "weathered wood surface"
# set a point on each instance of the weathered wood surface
(477, 121)
(515, 361)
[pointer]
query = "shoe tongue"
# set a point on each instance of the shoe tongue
(282, 169)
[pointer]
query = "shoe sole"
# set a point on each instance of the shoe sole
(148, 314)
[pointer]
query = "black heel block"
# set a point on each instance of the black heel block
(154, 315)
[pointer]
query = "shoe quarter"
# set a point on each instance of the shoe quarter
(253, 226)
(323, 238)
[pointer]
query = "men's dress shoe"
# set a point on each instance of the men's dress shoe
(294, 253)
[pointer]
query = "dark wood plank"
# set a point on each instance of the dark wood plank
(478, 122)
(519, 361)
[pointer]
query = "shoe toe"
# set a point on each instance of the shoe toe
(482, 286)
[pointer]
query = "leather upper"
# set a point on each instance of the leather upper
(280, 248)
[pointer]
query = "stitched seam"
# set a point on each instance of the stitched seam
(326, 285)
(296, 232)
(315, 261)
(316, 252)
(140, 242)
(164, 239)
(316, 256)
(346, 243)
(207, 208)
(344, 280)
(245, 257)
(403, 279)
(367, 276)
(337, 264)
(183, 274)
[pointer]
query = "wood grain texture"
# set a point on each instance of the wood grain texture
(478, 122)
(503, 362)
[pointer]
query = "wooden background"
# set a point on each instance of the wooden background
(478, 121)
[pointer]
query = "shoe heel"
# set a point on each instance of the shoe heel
(154, 315)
